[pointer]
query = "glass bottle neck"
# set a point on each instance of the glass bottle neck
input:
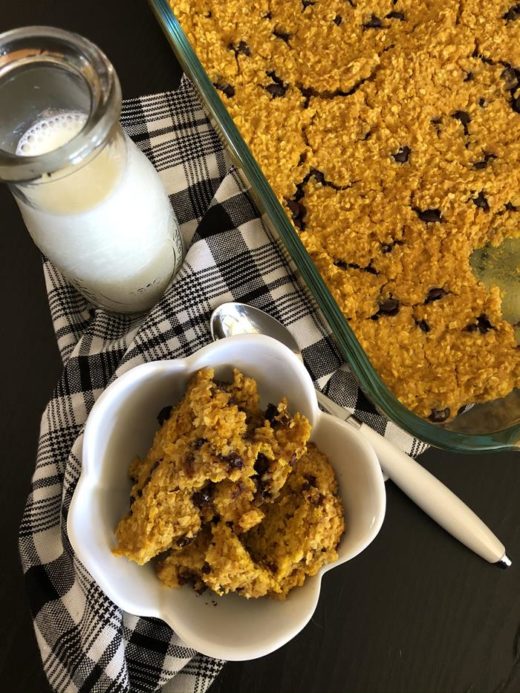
(48, 75)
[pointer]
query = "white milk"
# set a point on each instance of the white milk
(107, 225)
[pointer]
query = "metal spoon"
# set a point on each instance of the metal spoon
(441, 504)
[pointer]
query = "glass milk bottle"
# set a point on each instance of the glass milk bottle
(91, 200)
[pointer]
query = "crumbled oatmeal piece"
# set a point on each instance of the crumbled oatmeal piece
(231, 497)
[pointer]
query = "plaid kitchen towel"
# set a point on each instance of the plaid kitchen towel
(87, 643)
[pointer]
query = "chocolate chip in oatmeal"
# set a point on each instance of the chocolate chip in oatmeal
(469, 76)
(240, 48)
(512, 13)
(464, 119)
(389, 306)
(402, 155)
(337, 19)
(278, 87)
(373, 23)
(283, 35)
(307, 3)
(435, 294)
(396, 15)
(298, 212)
(479, 165)
(423, 325)
(262, 464)
(225, 88)
(439, 415)
(234, 460)
(481, 201)
(482, 324)
(388, 247)
(204, 496)
(164, 414)
(429, 216)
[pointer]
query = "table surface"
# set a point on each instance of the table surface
(415, 612)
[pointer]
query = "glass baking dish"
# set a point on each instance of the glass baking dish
(490, 426)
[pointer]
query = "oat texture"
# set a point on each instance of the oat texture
(231, 497)
(390, 131)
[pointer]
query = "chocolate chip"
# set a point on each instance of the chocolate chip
(388, 247)
(262, 464)
(390, 306)
(423, 325)
(302, 159)
(203, 497)
(469, 77)
(481, 201)
(337, 19)
(511, 77)
(396, 15)
(482, 102)
(429, 216)
(270, 412)
(274, 417)
(515, 104)
(311, 479)
(164, 414)
(267, 15)
(307, 3)
(341, 264)
(439, 415)
(402, 155)
(367, 135)
(234, 460)
(464, 119)
(278, 87)
(435, 294)
(225, 88)
(484, 162)
(183, 541)
(512, 13)
(483, 325)
(206, 568)
(373, 23)
(370, 269)
(240, 48)
(276, 90)
(198, 443)
(283, 35)
(298, 212)
(436, 122)
(510, 207)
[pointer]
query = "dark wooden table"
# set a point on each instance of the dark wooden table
(416, 612)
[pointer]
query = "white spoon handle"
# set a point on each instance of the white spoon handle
(432, 496)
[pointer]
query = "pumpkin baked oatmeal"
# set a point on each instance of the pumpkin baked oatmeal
(231, 497)
(390, 132)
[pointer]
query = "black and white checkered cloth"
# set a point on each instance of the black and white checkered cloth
(87, 643)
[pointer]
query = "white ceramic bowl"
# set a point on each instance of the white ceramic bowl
(121, 425)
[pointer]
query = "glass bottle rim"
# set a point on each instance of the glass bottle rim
(42, 45)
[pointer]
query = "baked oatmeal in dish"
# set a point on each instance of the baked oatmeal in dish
(230, 497)
(390, 132)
